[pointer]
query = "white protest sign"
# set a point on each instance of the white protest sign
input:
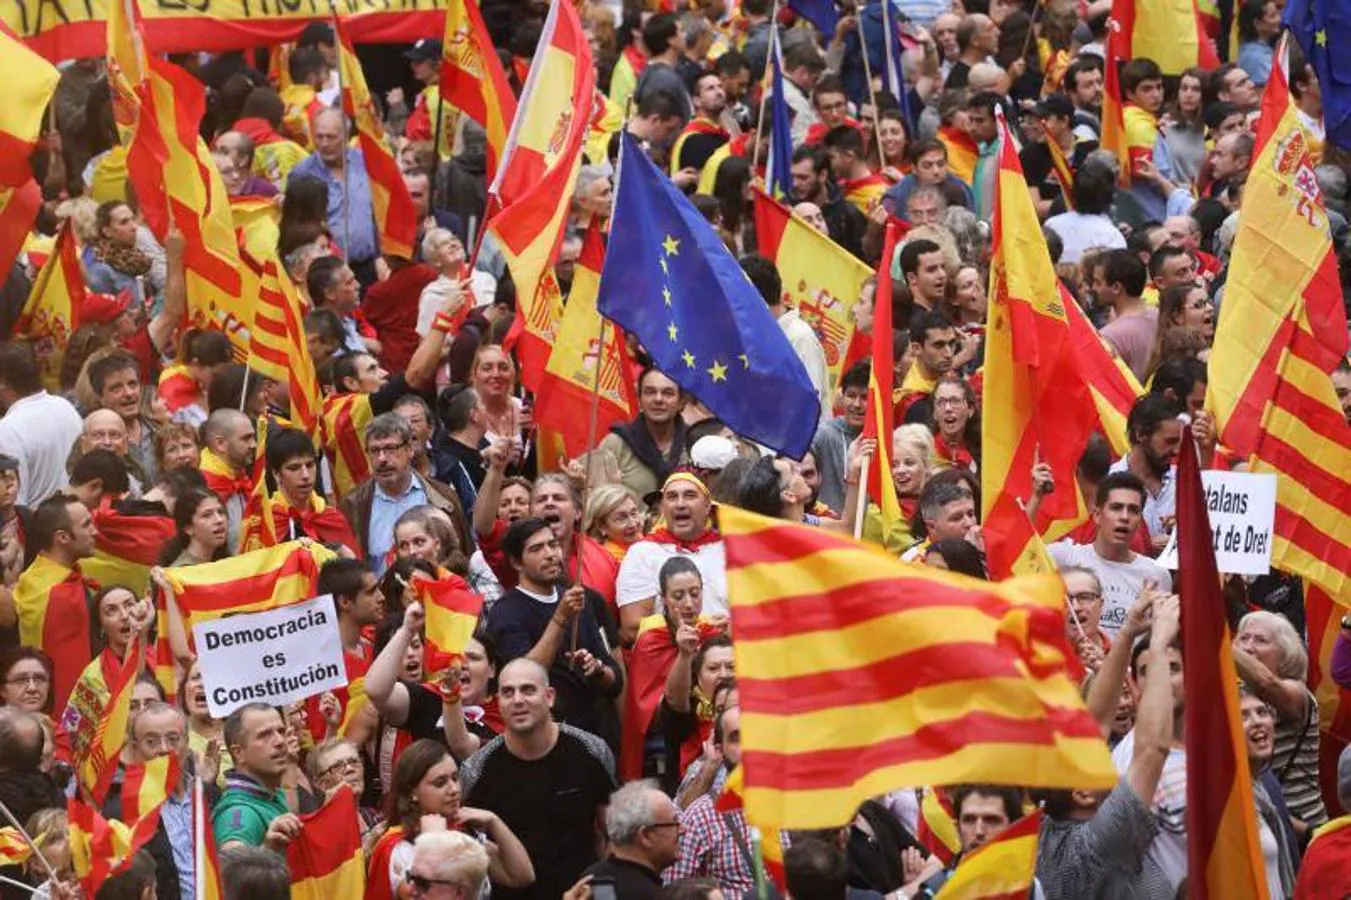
(274, 657)
(1242, 508)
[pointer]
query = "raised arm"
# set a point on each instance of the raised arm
(1154, 716)
(1105, 691)
(386, 692)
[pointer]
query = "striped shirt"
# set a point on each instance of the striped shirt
(1299, 778)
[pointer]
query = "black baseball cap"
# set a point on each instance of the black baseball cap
(1054, 105)
(425, 50)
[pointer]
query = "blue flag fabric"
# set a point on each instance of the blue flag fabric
(895, 80)
(779, 171)
(1321, 26)
(821, 13)
(670, 281)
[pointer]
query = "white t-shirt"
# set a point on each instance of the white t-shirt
(1079, 232)
(638, 574)
(1169, 808)
(38, 431)
(1121, 582)
(481, 284)
(1160, 506)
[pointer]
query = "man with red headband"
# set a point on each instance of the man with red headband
(686, 528)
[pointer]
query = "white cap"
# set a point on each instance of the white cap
(712, 451)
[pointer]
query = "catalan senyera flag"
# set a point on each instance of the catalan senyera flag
(145, 786)
(33, 83)
(206, 865)
(1001, 869)
(1224, 859)
(1170, 32)
(97, 768)
(325, 860)
(472, 77)
(14, 850)
(395, 217)
(53, 608)
(251, 582)
(880, 422)
(99, 847)
(589, 357)
(1036, 399)
(277, 345)
(821, 279)
(52, 312)
(1281, 333)
(343, 433)
(927, 677)
(538, 168)
(138, 127)
(1110, 381)
(453, 609)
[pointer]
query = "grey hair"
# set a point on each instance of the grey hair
(565, 481)
(967, 233)
(1294, 662)
(630, 811)
(589, 174)
(433, 235)
(152, 709)
(1106, 159)
(305, 253)
(389, 425)
(1081, 570)
(455, 857)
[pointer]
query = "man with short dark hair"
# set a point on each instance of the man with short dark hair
(948, 512)
(929, 168)
(1155, 434)
(653, 444)
(830, 446)
(116, 379)
(848, 155)
(332, 285)
(37, 428)
(298, 509)
(1120, 283)
(934, 345)
(665, 46)
(360, 606)
(981, 812)
(1121, 571)
(1084, 84)
(925, 272)
(704, 133)
(1142, 89)
(252, 809)
(99, 474)
(549, 782)
(562, 629)
(802, 68)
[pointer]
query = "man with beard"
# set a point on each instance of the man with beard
(1121, 571)
(561, 627)
(653, 444)
(1155, 433)
(934, 345)
(704, 134)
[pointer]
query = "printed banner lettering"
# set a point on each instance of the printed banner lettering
(1242, 509)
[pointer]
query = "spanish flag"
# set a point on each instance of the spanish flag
(250, 582)
(821, 280)
(126, 547)
(880, 422)
(1002, 869)
(52, 312)
(865, 193)
(99, 847)
(206, 865)
(963, 154)
(1062, 170)
(326, 860)
(344, 428)
(538, 170)
(590, 363)
(534, 331)
(1113, 136)
(1280, 335)
(145, 786)
(453, 609)
(927, 677)
(473, 79)
(52, 602)
(97, 768)
(1036, 399)
(33, 81)
(1224, 859)
(1170, 32)
(277, 345)
(1110, 381)
(395, 218)
(937, 827)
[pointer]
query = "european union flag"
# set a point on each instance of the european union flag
(1320, 26)
(779, 172)
(669, 280)
(821, 13)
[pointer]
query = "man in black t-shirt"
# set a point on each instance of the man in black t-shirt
(549, 783)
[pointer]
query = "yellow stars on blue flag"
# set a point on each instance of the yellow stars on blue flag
(671, 246)
(688, 357)
(717, 371)
(673, 331)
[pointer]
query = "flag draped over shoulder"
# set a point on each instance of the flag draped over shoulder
(325, 859)
(1224, 859)
(1170, 32)
(821, 280)
(538, 168)
(671, 282)
(1322, 28)
(344, 440)
(589, 357)
(472, 77)
(251, 582)
(126, 547)
(395, 217)
(452, 608)
(1002, 869)
(927, 677)
(52, 312)
(99, 764)
(1037, 404)
(53, 609)
(1281, 333)
(31, 81)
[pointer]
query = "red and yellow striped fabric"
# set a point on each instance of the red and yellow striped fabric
(1110, 381)
(1037, 403)
(881, 418)
(937, 828)
(99, 847)
(864, 193)
(472, 77)
(344, 440)
(277, 345)
(14, 850)
(206, 865)
(250, 582)
(1281, 333)
(126, 547)
(31, 84)
(396, 219)
(53, 308)
(927, 678)
(146, 786)
(452, 608)
(962, 152)
(98, 766)
(1003, 869)
(590, 360)
(325, 860)
(1113, 135)
(1061, 169)
(53, 609)
(1224, 859)
(259, 528)
(538, 172)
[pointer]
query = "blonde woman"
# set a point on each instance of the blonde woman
(912, 455)
(614, 517)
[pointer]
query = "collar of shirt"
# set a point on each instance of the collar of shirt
(415, 488)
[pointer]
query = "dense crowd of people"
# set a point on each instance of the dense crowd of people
(578, 746)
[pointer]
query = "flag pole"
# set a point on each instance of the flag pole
(579, 536)
(862, 507)
(766, 80)
(868, 77)
(346, 192)
(28, 839)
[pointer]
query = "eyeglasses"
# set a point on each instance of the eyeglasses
(28, 680)
(352, 764)
(944, 402)
(156, 742)
(422, 884)
(1084, 597)
(386, 450)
